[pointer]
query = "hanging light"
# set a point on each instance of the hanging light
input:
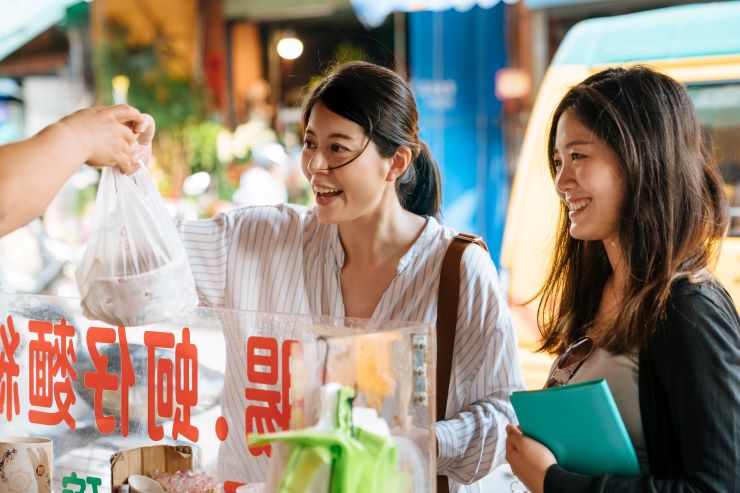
(120, 85)
(290, 48)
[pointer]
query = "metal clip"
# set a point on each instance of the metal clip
(420, 346)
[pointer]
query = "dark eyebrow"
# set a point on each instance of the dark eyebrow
(574, 143)
(578, 143)
(335, 135)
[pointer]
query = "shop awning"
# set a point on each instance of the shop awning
(372, 13)
(551, 4)
(683, 31)
(22, 21)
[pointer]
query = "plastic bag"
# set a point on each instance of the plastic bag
(135, 270)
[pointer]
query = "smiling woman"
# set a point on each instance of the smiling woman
(629, 274)
(362, 111)
(372, 247)
(588, 180)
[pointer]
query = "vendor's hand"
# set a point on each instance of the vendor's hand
(107, 135)
(144, 134)
(528, 458)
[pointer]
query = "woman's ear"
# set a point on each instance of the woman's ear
(400, 161)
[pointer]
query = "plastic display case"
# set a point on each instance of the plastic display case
(203, 380)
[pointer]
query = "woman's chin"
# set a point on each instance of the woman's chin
(326, 215)
(579, 233)
(586, 234)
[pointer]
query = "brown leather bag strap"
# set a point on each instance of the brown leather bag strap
(449, 294)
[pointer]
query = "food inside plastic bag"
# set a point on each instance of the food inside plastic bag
(135, 270)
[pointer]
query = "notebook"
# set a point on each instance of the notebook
(581, 425)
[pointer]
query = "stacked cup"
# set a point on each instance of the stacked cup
(25, 465)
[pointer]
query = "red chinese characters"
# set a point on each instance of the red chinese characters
(186, 387)
(9, 371)
(100, 380)
(51, 373)
(266, 367)
(169, 383)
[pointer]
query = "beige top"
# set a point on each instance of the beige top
(621, 373)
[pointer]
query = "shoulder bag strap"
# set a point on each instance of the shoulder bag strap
(449, 293)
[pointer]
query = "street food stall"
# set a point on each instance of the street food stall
(97, 406)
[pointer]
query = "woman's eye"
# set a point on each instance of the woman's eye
(557, 163)
(337, 148)
(307, 144)
(575, 156)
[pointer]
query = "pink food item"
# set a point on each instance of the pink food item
(186, 482)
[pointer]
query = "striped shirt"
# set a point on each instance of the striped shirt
(282, 259)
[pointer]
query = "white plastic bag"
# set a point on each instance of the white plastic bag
(135, 270)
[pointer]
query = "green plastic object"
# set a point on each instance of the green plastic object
(360, 461)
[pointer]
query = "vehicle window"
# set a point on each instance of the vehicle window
(718, 108)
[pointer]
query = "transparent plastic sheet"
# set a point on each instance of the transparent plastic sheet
(135, 269)
(224, 373)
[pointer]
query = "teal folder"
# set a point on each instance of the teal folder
(581, 425)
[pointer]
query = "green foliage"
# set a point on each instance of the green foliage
(157, 86)
(201, 146)
(185, 141)
(345, 52)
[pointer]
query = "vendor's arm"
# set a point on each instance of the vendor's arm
(33, 170)
(484, 374)
(696, 362)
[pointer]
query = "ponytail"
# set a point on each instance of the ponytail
(420, 187)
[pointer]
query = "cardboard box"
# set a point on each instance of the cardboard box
(146, 460)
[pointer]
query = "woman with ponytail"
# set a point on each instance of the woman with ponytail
(371, 247)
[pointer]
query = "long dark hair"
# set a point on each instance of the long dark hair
(381, 102)
(671, 223)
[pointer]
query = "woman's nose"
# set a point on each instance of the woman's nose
(564, 178)
(317, 164)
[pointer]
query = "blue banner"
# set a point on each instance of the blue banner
(454, 57)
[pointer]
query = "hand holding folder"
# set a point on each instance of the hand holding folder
(581, 425)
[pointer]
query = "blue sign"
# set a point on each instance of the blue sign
(454, 57)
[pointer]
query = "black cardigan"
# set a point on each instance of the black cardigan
(689, 388)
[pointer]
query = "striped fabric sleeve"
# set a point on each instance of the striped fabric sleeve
(207, 245)
(471, 441)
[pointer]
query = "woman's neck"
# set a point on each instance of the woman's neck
(380, 237)
(620, 275)
(613, 292)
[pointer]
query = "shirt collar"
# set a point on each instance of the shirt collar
(422, 243)
(336, 251)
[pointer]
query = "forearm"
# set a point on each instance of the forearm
(32, 172)
(472, 442)
(559, 480)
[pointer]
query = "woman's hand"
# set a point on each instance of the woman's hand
(528, 458)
